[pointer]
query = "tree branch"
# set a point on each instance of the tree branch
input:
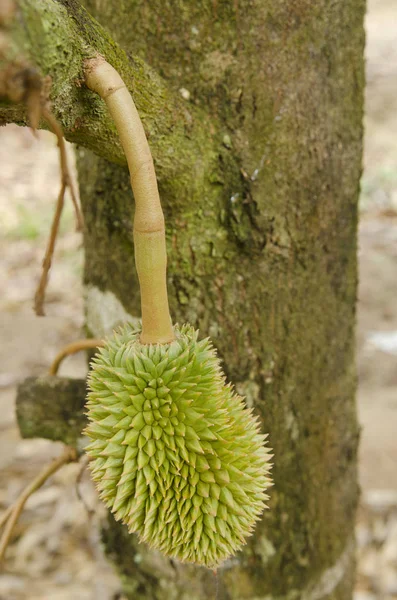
(56, 36)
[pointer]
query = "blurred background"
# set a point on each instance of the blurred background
(58, 557)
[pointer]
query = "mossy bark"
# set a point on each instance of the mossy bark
(261, 214)
(52, 408)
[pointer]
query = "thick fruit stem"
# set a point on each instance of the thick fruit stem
(149, 228)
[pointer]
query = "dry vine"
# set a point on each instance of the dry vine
(83, 465)
(22, 83)
(12, 514)
(66, 181)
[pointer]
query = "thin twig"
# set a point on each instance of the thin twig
(41, 288)
(66, 181)
(83, 465)
(85, 344)
(69, 455)
(65, 171)
(5, 516)
(23, 83)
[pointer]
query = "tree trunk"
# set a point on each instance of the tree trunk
(262, 257)
(260, 199)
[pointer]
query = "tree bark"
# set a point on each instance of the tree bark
(261, 220)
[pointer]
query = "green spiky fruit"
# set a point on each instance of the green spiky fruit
(175, 453)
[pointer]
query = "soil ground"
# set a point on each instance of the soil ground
(56, 554)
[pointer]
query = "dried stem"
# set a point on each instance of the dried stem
(149, 228)
(22, 83)
(83, 465)
(12, 514)
(41, 288)
(6, 515)
(66, 181)
(77, 346)
(63, 159)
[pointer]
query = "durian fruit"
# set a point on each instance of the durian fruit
(175, 453)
